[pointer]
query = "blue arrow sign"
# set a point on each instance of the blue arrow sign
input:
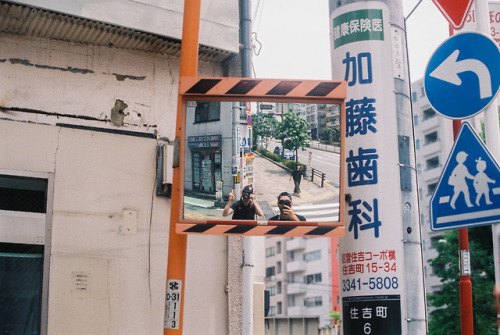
(463, 75)
(468, 191)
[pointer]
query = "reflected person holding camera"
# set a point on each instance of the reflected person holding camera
(286, 212)
(244, 209)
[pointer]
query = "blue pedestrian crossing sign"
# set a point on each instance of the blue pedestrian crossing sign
(468, 191)
(463, 75)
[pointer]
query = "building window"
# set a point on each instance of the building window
(415, 120)
(431, 138)
(278, 288)
(278, 267)
(435, 240)
(21, 270)
(431, 188)
(312, 256)
(414, 95)
(313, 301)
(272, 290)
(429, 113)
(278, 247)
(280, 308)
(314, 278)
(207, 111)
(272, 311)
(291, 256)
(23, 194)
(417, 144)
(270, 271)
(270, 252)
(22, 296)
(432, 163)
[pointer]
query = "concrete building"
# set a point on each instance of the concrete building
(87, 101)
(209, 146)
(333, 117)
(433, 142)
(298, 277)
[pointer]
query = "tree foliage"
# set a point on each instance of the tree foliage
(331, 134)
(445, 318)
(265, 127)
(292, 132)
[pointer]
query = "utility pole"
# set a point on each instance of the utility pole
(247, 257)
(381, 266)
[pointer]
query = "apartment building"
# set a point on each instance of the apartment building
(298, 277)
(433, 142)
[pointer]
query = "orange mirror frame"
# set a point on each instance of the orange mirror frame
(210, 92)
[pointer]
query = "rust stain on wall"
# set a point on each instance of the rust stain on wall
(118, 113)
(122, 77)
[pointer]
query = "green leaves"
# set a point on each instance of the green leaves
(445, 317)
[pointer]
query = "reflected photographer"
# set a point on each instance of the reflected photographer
(286, 212)
(244, 209)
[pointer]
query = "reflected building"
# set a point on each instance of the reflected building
(209, 147)
(332, 116)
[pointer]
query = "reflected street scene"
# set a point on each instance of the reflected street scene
(262, 161)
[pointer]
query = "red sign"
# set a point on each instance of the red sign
(454, 11)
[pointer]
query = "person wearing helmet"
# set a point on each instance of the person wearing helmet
(244, 209)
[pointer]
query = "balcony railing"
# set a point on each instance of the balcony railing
(297, 243)
(297, 311)
(296, 288)
(296, 266)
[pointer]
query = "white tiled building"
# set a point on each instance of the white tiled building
(298, 277)
(433, 142)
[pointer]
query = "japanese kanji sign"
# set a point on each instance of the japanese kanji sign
(371, 252)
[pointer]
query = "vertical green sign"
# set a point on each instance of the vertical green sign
(359, 25)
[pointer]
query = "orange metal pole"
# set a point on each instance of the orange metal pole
(465, 285)
(177, 244)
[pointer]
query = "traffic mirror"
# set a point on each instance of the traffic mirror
(242, 140)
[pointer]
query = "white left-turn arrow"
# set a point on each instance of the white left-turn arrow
(449, 69)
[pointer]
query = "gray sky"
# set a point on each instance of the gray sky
(296, 45)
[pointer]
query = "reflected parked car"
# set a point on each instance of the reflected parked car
(277, 150)
(289, 154)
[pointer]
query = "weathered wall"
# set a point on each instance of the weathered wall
(98, 177)
(218, 28)
(83, 84)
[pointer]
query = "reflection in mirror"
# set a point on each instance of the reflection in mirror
(240, 156)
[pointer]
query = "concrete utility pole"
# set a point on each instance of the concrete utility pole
(381, 266)
(247, 257)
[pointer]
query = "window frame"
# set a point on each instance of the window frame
(46, 241)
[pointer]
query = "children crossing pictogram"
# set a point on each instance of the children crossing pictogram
(468, 192)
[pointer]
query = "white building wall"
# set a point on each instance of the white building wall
(296, 291)
(427, 177)
(98, 176)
